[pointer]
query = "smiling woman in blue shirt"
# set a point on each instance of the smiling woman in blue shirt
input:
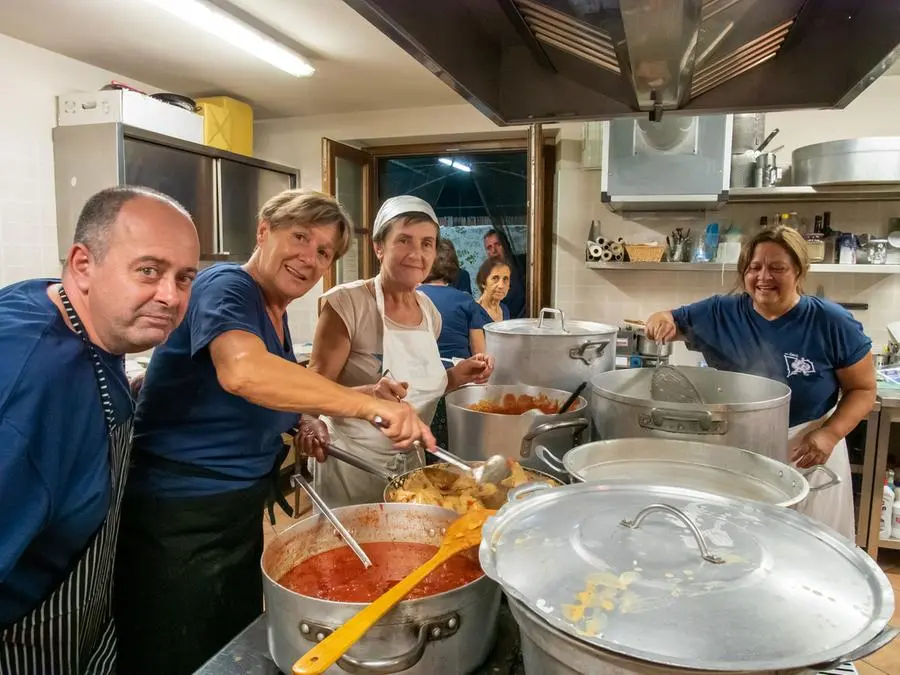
(814, 346)
(215, 400)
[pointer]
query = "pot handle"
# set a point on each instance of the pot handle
(556, 314)
(577, 426)
(833, 478)
(705, 553)
(429, 631)
(579, 352)
(885, 637)
(684, 421)
(549, 459)
(359, 463)
(525, 490)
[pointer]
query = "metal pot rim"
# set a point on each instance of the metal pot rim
(591, 329)
(580, 404)
(483, 579)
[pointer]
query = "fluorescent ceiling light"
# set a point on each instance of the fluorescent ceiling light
(455, 163)
(224, 26)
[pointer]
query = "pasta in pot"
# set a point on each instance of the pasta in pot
(511, 404)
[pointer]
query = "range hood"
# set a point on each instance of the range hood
(524, 61)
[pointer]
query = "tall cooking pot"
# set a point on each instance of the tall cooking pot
(451, 632)
(476, 435)
(743, 411)
(550, 351)
(652, 580)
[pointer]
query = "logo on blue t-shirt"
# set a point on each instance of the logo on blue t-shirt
(798, 365)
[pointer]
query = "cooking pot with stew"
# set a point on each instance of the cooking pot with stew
(313, 583)
(654, 580)
(492, 419)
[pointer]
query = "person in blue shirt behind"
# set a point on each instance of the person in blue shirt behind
(462, 281)
(65, 423)
(215, 400)
(493, 279)
(814, 346)
(462, 322)
(498, 248)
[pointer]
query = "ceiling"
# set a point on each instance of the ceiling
(357, 67)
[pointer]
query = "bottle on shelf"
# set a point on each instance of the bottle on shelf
(887, 511)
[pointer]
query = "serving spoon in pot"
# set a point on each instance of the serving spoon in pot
(463, 534)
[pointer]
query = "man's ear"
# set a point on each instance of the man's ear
(79, 263)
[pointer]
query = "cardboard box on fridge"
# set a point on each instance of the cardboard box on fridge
(227, 124)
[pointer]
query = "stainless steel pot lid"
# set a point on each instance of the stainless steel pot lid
(775, 591)
(550, 322)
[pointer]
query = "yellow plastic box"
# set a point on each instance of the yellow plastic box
(227, 124)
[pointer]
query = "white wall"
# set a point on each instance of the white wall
(32, 78)
(612, 296)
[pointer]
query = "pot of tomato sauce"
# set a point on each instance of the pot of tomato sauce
(506, 419)
(313, 583)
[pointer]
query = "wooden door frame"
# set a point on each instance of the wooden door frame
(538, 291)
(331, 151)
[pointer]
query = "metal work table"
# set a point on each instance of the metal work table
(889, 398)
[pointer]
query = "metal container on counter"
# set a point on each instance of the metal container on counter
(651, 580)
(741, 411)
(855, 160)
(648, 347)
(450, 632)
(718, 469)
(550, 351)
(476, 435)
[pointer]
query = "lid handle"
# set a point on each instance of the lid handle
(557, 314)
(705, 553)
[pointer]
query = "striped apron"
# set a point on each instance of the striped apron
(71, 631)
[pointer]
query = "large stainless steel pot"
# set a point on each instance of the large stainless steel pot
(451, 632)
(741, 411)
(477, 435)
(718, 469)
(652, 580)
(550, 351)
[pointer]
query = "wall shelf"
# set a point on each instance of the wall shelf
(731, 267)
(823, 193)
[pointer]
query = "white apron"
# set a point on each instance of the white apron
(832, 506)
(411, 356)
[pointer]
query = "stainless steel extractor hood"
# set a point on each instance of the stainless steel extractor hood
(522, 61)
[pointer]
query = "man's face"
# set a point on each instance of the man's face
(139, 291)
(493, 247)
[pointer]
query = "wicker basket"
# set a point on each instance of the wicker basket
(645, 252)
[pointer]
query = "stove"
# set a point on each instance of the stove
(248, 653)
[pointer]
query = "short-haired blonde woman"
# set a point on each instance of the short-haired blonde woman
(386, 325)
(215, 400)
(814, 346)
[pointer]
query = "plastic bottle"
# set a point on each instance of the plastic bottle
(887, 511)
(895, 521)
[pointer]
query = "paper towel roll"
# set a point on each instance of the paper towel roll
(619, 257)
(621, 240)
(596, 251)
(606, 256)
(601, 241)
(616, 248)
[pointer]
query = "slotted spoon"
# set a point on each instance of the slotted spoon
(669, 384)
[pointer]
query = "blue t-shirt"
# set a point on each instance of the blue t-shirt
(459, 314)
(463, 281)
(515, 298)
(804, 348)
(183, 413)
(54, 461)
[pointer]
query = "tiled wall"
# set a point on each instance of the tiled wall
(32, 78)
(611, 296)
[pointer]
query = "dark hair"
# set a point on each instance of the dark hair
(485, 270)
(446, 265)
(787, 238)
(101, 211)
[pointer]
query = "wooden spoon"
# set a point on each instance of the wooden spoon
(463, 534)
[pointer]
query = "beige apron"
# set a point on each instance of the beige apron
(832, 506)
(411, 356)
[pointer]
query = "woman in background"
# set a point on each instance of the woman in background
(462, 322)
(463, 281)
(814, 346)
(493, 282)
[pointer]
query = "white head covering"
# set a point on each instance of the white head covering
(395, 206)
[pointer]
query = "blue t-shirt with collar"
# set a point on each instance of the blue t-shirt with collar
(185, 415)
(803, 348)
(54, 448)
(459, 314)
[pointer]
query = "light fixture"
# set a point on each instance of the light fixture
(456, 164)
(223, 25)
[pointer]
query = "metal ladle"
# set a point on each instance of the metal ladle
(493, 470)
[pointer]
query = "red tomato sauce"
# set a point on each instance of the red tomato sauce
(339, 575)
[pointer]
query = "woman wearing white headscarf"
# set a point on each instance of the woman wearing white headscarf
(385, 327)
